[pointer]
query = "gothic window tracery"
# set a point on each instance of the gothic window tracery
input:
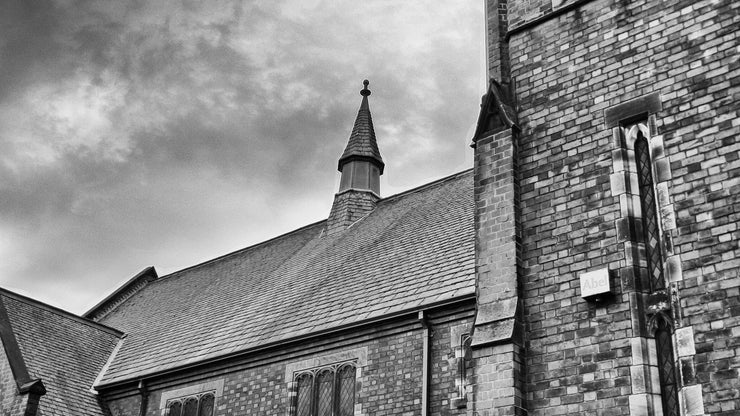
(194, 405)
(326, 391)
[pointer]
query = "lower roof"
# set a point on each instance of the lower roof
(414, 249)
(63, 351)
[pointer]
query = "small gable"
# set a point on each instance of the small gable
(496, 113)
(61, 352)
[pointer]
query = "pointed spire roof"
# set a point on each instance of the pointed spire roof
(362, 144)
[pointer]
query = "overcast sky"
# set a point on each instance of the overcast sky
(166, 133)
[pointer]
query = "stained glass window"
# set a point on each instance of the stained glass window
(326, 391)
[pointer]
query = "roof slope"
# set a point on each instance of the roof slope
(415, 249)
(65, 351)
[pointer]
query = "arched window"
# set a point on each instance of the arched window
(191, 407)
(326, 391)
(174, 409)
(650, 228)
(654, 255)
(205, 408)
(346, 390)
(666, 368)
(195, 405)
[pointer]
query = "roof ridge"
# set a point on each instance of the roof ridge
(61, 312)
(243, 249)
(431, 184)
(419, 188)
(119, 295)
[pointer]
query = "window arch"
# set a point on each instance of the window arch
(638, 138)
(195, 405)
(326, 391)
(650, 225)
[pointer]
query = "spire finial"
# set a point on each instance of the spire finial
(365, 92)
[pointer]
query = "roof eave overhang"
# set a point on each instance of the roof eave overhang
(143, 277)
(15, 358)
(134, 379)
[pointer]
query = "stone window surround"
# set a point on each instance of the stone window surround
(216, 386)
(358, 356)
(460, 345)
(625, 120)
(313, 395)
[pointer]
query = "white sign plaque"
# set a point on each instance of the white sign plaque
(595, 283)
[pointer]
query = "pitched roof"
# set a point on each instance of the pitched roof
(414, 249)
(362, 143)
(124, 292)
(63, 350)
(496, 111)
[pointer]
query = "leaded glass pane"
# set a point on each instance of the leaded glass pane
(666, 370)
(174, 409)
(190, 408)
(205, 408)
(346, 377)
(651, 230)
(325, 390)
(304, 394)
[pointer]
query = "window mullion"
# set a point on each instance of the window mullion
(314, 395)
(335, 394)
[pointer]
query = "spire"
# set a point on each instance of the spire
(361, 167)
(362, 144)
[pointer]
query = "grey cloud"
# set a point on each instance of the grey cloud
(28, 49)
(221, 121)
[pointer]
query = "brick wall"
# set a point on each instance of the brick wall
(522, 11)
(389, 374)
(582, 356)
(496, 343)
(349, 206)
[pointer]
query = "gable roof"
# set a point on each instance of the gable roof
(120, 295)
(62, 350)
(496, 111)
(414, 249)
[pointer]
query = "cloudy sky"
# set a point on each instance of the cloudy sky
(165, 133)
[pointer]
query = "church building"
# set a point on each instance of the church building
(587, 264)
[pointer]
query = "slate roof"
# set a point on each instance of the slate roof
(65, 351)
(362, 143)
(414, 249)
